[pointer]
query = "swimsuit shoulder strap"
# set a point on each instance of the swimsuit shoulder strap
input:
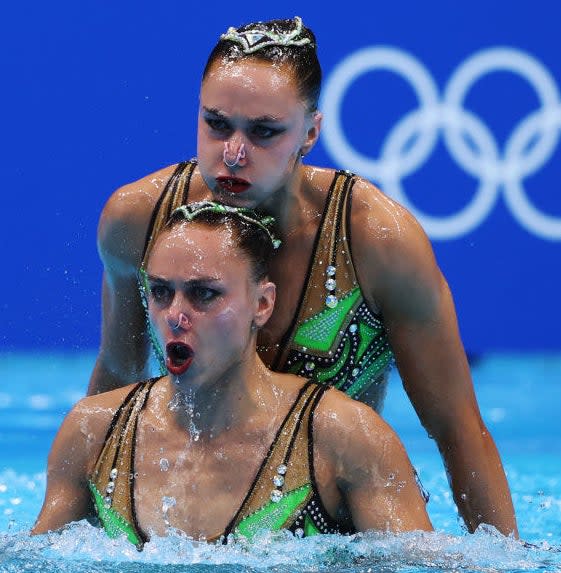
(113, 477)
(330, 250)
(282, 485)
(174, 195)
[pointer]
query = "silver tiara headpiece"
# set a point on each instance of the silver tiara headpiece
(254, 39)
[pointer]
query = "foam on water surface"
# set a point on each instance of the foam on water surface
(81, 547)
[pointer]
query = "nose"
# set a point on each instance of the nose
(234, 154)
(178, 320)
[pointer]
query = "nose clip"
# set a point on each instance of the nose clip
(182, 321)
(228, 156)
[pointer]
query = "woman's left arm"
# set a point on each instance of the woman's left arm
(399, 275)
(373, 472)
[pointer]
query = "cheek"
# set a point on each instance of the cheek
(202, 143)
(230, 324)
(278, 162)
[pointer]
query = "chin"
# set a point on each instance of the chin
(233, 199)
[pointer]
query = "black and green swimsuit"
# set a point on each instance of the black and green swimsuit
(334, 337)
(283, 494)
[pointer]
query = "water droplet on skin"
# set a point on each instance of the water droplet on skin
(167, 504)
(164, 465)
(463, 496)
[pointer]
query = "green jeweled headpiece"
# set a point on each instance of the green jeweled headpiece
(193, 210)
(255, 39)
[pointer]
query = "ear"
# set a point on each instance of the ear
(266, 294)
(312, 135)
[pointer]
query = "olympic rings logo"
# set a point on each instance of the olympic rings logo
(528, 148)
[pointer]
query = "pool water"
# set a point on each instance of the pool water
(520, 399)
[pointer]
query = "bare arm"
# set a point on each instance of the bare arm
(399, 274)
(372, 469)
(67, 496)
(123, 225)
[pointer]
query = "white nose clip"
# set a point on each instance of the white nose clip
(228, 155)
(182, 320)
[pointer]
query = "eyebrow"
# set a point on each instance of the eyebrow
(198, 280)
(261, 119)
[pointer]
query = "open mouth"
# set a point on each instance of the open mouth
(233, 184)
(178, 357)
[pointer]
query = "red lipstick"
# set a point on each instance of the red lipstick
(178, 357)
(233, 184)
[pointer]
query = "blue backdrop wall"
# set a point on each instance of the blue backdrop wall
(454, 108)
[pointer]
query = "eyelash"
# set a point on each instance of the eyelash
(202, 295)
(217, 124)
(159, 292)
(199, 295)
(222, 126)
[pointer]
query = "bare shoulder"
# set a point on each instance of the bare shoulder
(126, 215)
(382, 223)
(343, 425)
(92, 415)
(392, 254)
(104, 404)
(378, 223)
(85, 427)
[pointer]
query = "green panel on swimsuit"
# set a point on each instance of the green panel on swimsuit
(113, 523)
(309, 527)
(274, 515)
(319, 332)
(367, 335)
(295, 367)
(369, 374)
(324, 375)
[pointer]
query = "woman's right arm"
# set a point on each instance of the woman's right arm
(77, 443)
(124, 349)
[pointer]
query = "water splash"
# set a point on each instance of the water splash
(81, 547)
(186, 403)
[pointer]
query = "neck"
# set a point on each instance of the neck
(205, 411)
(288, 204)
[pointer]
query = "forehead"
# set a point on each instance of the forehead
(193, 248)
(272, 87)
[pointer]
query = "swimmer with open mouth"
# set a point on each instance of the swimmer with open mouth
(179, 357)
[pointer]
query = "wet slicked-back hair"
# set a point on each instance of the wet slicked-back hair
(301, 58)
(252, 240)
